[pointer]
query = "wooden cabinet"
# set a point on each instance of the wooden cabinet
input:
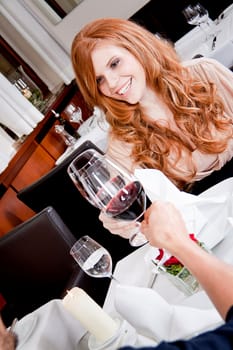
(53, 144)
(12, 211)
(39, 163)
(36, 157)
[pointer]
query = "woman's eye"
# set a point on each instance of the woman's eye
(99, 80)
(115, 63)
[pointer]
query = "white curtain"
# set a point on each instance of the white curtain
(7, 150)
(18, 114)
(35, 45)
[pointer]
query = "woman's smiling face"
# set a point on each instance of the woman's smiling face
(119, 74)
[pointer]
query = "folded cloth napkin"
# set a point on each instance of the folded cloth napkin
(153, 317)
(199, 212)
(49, 327)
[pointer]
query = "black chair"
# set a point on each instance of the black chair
(215, 177)
(56, 189)
(36, 266)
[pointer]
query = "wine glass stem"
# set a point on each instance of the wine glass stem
(206, 29)
(203, 30)
(137, 239)
(114, 278)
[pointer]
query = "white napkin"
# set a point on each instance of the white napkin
(199, 212)
(49, 327)
(216, 200)
(153, 317)
(97, 120)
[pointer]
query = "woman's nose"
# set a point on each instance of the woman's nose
(112, 80)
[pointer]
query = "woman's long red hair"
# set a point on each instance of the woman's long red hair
(197, 109)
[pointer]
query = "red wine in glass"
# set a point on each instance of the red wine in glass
(129, 203)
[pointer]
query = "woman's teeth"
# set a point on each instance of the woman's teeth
(125, 88)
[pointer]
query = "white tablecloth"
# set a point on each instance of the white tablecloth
(194, 43)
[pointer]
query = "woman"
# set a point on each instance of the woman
(163, 114)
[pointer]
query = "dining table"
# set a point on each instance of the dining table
(217, 43)
(147, 305)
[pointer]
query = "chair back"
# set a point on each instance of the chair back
(36, 266)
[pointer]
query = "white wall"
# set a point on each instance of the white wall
(88, 10)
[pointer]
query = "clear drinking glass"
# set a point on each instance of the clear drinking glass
(66, 137)
(111, 188)
(74, 113)
(92, 257)
(198, 15)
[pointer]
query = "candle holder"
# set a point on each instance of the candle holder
(125, 335)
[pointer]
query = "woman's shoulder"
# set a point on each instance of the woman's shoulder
(206, 64)
(208, 68)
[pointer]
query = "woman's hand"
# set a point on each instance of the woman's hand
(121, 228)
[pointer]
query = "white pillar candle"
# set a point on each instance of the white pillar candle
(90, 314)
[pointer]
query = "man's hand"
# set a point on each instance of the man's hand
(7, 338)
(164, 226)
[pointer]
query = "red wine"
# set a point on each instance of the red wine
(129, 202)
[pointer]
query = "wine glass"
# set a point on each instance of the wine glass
(74, 113)
(92, 257)
(111, 188)
(191, 15)
(203, 15)
(198, 15)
